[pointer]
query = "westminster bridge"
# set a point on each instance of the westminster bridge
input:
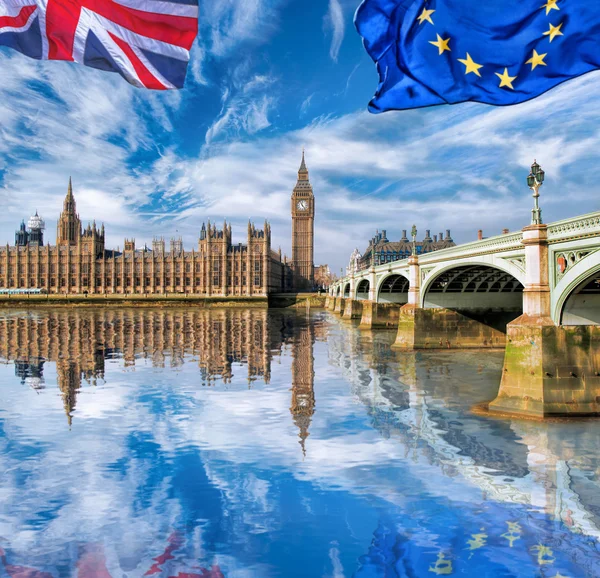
(535, 293)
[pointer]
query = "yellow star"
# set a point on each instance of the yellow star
(505, 80)
(537, 60)
(441, 44)
(550, 5)
(471, 65)
(426, 15)
(554, 32)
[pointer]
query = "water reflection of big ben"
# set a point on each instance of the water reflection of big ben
(303, 379)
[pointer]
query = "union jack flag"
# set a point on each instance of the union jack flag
(148, 42)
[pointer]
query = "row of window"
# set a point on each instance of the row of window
(86, 268)
(129, 282)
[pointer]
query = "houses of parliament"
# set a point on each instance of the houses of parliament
(80, 263)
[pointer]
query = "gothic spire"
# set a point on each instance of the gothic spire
(69, 204)
(69, 226)
(303, 168)
(303, 172)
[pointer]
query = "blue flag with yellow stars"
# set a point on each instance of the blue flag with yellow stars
(498, 52)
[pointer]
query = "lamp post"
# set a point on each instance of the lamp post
(535, 179)
(414, 239)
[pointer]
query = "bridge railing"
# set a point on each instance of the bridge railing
(506, 242)
(579, 227)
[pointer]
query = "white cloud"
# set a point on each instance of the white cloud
(335, 18)
(230, 23)
(306, 103)
(241, 116)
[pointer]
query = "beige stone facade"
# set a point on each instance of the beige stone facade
(323, 276)
(79, 263)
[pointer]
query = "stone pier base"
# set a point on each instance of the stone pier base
(339, 305)
(353, 309)
(407, 327)
(447, 329)
(379, 315)
(328, 301)
(331, 304)
(550, 370)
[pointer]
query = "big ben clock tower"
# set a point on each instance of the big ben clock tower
(303, 227)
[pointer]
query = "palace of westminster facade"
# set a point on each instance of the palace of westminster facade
(79, 263)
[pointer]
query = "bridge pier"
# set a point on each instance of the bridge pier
(331, 304)
(379, 315)
(339, 305)
(372, 284)
(444, 328)
(353, 309)
(548, 369)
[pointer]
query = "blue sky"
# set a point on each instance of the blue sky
(267, 78)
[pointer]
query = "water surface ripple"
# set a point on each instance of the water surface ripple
(241, 443)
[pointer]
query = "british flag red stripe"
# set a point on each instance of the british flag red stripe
(22, 15)
(18, 21)
(146, 41)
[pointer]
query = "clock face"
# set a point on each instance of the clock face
(302, 205)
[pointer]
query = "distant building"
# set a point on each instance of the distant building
(354, 264)
(381, 250)
(323, 276)
(36, 227)
(80, 263)
(32, 234)
(21, 235)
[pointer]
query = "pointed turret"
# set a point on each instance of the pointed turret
(69, 226)
(303, 171)
(303, 163)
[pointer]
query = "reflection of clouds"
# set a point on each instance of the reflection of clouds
(73, 478)
(113, 473)
(334, 556)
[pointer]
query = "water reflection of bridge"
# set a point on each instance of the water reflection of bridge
(418, 400)
(222, 342)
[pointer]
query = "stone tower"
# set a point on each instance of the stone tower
(68, 231)
(303, 219)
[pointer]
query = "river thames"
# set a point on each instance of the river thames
(250, 443)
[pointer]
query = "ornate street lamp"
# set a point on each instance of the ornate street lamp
(535, 179)
(414, 238)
